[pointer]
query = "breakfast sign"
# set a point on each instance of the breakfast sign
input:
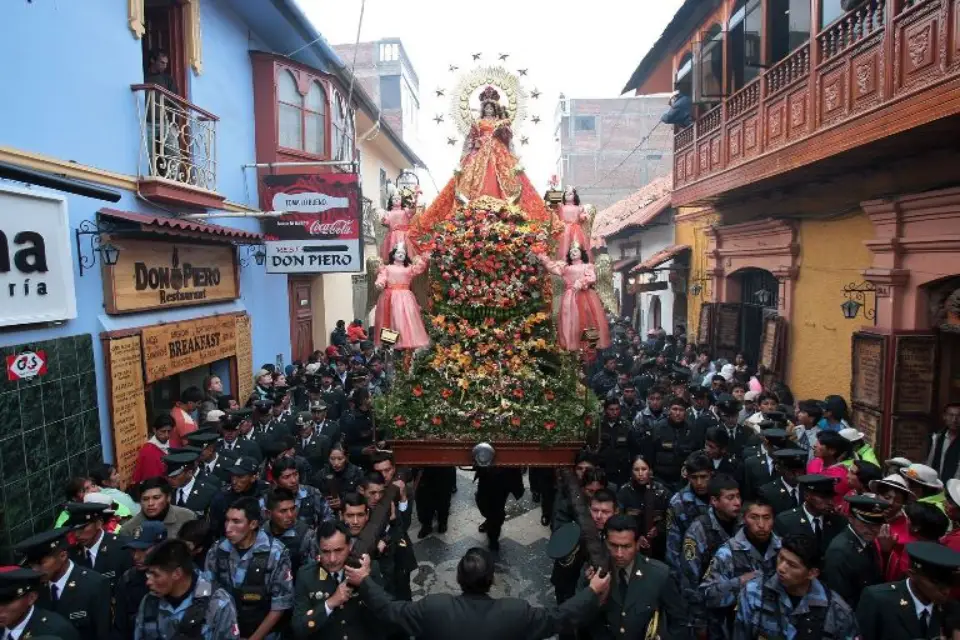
(179, 346)
(160, 275)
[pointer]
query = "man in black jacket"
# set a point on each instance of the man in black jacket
(474, 615)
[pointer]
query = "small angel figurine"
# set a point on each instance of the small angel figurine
(397, 307)
(572, 215)
(580, 306)
(397, 221)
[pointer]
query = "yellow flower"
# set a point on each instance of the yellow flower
(464, 383)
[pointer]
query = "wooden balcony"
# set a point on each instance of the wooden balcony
(883, 69)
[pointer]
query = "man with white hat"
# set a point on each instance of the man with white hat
(923, 481)
(860, 447)
(894, 489)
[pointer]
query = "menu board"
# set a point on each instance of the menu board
(244, 358)
(869, 355)
(728, 326)
(128, 411)
(705, 327)
(910, 438)
(914, 376)
(772, 343)
(179, 346)
(868, 421)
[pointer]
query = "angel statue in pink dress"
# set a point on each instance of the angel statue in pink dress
(580, 306)
(572, 215)
(402, 206)
(397, 307)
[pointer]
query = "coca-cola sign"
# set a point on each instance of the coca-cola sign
(320, 229)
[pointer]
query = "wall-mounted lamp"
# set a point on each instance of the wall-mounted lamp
(763, 297)
(696, 289)
(109, 254)
(255, 251)
(857, 301)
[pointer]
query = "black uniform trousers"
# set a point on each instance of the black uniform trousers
(494, 486)
(434, 493)
(543, 480)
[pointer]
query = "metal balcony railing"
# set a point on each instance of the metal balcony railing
(178, 139)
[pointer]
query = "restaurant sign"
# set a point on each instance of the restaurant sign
(320, 231)
(151, 274)
(179, 346)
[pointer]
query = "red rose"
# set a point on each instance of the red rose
(437, 420)
(446, 393)
(549, 425)
(400, 421)
(518, 393)
(418, 391)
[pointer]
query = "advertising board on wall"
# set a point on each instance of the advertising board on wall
(321, 231)
(36, 258)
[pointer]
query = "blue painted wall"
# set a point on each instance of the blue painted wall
(67, 71)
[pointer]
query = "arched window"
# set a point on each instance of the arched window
(290, 111)
(684, 79)
(315, 120)
(759, 287)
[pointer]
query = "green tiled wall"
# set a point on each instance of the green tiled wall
(49, 432)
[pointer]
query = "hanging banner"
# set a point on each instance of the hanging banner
(321, 231)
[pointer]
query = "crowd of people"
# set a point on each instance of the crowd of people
(703, 505)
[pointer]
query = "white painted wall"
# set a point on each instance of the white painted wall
(652, 239)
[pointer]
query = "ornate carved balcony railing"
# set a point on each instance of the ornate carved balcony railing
(881, 57)
(178, 141)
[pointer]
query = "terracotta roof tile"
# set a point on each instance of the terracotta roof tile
(636, 210)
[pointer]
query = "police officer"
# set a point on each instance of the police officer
(243, 484)
(254, 569)
(311, 446)
(687, 505)
(182, 604)
(188, 491)
(643, 601)
(784, 492)
(264, 426)
(630, 403)
(434, 495)
(312, 507)
(283, 525)
(728, 411)
(132, 586)
(211, 468)
(331, 394)
(759, 469)
(751, 552)
(322, 423)
(793, 603)
(716, 446)
(646, 499)
(614, 445)
(96, 549)
(494, 486)
(815, 516)
(653, 413)
(280, 416)
(237, 441)
(323, 605)
(358, 429)
(606, 378)
(672, 441)
(80, 595)
(19, 615)
(278, 448)
(852, 562)
(703, 538)
(699, 415)
(911, 608)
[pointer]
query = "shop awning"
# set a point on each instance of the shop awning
(147, 223)
(660, 257)
(626, 263)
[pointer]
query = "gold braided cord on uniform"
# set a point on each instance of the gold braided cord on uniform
(653, 631)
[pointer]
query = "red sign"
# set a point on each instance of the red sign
(26, 365)
(320, 206)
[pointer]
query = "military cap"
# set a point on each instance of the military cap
(818, 483)
(275, 446)
(696, 391)
(564, 542)
(149, 533)
(366, 344)
(728, 405)
(778, 417)
(263, 405)
(16, 582)
(679, 374)
(936, 561)
(326, 372)
(177, 463)
(312, 381)
(233, 418)
(304, 419)
(318, 405)
(867, 508)
(794, 458)
(81, 513)
(185, 449)
(774, 434)
(43, 544)
(202, 438)
(243, 466)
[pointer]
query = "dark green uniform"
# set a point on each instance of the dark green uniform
(650, 590)
(797, 521)
(757, 471)
(779, 497)
(112, 559)
(887, 612)
(200, 497)
(310, 620)
(85, 602)
(48, 623)
(851, 565)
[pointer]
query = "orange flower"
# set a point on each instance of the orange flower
(418, 391)
(518, 393)
(549, 425)
(548, 395)
(515, 421)
(437, 420)
(400, 421)
(446, 393)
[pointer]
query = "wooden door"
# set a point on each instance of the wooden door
(164, 30)
(301, 318)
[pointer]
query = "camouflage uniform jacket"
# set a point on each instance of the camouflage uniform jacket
(157, 619)
(765, 610)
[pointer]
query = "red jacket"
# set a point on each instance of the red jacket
(356, 334)
(149, 463)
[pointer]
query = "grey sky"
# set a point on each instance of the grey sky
(584, 49)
